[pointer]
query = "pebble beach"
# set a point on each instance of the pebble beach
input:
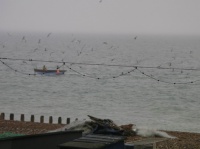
(184, 140)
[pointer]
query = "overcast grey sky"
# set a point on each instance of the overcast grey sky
(101, 16)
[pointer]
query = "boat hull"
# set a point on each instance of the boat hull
(49, 72)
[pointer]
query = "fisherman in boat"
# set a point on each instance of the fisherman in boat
(57, 70)
(44, 68)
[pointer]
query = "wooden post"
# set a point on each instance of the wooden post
(50, 120)
(41, 119)
(68, 120)
(59, 120)
(32, 118)
(22, 117)
(2, 116)
(11, 116)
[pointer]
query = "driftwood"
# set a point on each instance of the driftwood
(107, 126)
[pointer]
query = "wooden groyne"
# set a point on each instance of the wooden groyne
(32, 118)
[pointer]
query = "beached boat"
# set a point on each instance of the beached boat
(49, 72)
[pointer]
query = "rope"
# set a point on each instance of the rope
(107, 65)
(98, 64)
(151, 77)
(15, 69)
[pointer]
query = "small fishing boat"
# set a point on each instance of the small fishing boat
(49, 72)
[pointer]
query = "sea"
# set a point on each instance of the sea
(152, 81)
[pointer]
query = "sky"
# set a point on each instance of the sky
(101, 16)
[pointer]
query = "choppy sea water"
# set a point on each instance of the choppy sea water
(146, 96)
